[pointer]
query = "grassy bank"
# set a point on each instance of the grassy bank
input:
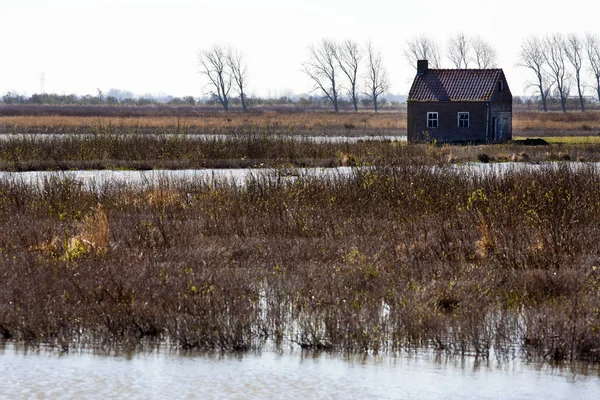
(385, 260)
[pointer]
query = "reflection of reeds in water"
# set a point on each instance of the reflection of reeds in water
(382, 260)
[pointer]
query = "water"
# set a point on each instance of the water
(270, 375)
(103, 177)
(239, 137)
(240, 175)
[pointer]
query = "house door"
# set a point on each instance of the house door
(494, 129)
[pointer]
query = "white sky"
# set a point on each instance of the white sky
(151, 46)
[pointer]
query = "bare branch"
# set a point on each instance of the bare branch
(484, 54)
(458, 50)
(213, 64)
(239, 74)
(574, 50)
(532, 57)
(376, 77)
(322, 69)
(422, 48)
(554, 54)
(349, 56)
(592, 45)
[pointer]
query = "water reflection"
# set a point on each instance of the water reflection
(170, 374)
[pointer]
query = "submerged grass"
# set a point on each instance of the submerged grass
(384, 260)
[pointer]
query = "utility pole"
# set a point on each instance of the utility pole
(43, 83)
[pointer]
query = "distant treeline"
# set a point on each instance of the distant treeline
(101, 99)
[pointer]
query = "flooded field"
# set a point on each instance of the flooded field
(161, 374)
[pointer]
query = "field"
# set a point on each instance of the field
(53, 119)
(410, 253)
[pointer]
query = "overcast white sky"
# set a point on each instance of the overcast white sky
(151, 46)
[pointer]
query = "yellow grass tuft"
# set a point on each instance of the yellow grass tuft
(93, 236)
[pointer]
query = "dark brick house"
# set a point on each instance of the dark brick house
(459, 105)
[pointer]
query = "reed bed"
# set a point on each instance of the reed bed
(258, 148)
(385, 260)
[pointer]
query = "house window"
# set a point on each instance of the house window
(501, 86)
(432, 120)
(463, 119)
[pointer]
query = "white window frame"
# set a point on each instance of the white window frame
(433, 117)
(468, 120)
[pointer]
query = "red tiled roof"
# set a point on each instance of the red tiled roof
(454, 85)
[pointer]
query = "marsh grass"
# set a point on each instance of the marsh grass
(388, 259)
(258, 148)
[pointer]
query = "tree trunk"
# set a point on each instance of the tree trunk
(542, 94)
(544, 103)
(243, 98)
(581, 102)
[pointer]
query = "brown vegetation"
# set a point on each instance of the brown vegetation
(194, 120)
(316, 123)
(385, 260)
(259, 148)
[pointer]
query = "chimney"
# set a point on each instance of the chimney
(422, 66)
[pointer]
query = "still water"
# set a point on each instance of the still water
(241, 175)
(210, 137)
(269, 375)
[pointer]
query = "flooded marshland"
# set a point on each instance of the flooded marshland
(465, 280)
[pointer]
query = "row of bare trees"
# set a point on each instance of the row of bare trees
(334, 69)
(462, 51)
(559, 62)
(225, 70)
(337, 68)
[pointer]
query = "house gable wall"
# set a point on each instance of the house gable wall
(501, 109)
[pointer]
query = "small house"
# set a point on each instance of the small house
(459, 105)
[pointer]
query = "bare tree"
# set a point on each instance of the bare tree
(322, 69)
(238, 70)
(376, 77)
(349, 55)
(459, 47)
(423, 48)
(592, 44)
(213, 64)
(554, 53)
(532, 56)
(484, 54)
(574, 50)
